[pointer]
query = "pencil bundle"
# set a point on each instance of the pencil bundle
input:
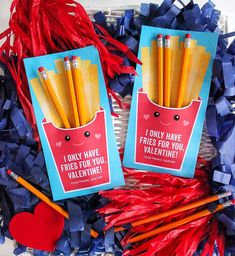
(69, 98)
(188, 219)
(173, 70)
(162, 208)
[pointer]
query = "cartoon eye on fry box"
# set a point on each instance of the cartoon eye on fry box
(74, 122)
(169, 100)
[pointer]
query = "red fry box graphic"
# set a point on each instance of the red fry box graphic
(163, 134)
(80, 154)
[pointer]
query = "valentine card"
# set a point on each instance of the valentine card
(169, 100)
(74, 122)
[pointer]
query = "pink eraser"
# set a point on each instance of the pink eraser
(159, 36)
(74, 58)
(41, 69)
(167, 37)
(66, 58)
(188, 36)
(9, 172)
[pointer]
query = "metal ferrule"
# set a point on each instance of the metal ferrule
(75, 63)
(187, 42)
(167, 43)
(67, 65)
(159, 42)
(14, 176)
(44, 75)
(227, 204)
(225, 194)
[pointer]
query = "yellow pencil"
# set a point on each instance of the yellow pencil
(69, 76)
(49, 88)
(176, 210)
(167, 71)
(37, 193)
(160, 70)
(182, 83)
(79, 91)
(181, 222)
(43, 197)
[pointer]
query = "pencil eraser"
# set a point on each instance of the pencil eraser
(9, 172)
(188, 36)
(66, 58)
(74, 58)
(167, 37)
(41, 69)
(159, 36)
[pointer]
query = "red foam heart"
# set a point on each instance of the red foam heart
(40, 230)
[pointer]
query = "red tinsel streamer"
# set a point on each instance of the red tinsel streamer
(39, 27)
(149, 193)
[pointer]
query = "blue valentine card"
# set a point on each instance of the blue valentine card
(163, 138)
(80, 160)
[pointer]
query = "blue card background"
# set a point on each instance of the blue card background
(208, 40)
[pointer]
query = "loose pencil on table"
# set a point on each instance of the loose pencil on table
(176, 210)
(42, 196)
(181, 222)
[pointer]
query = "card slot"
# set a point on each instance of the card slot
(80, 154)
(163, 133)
